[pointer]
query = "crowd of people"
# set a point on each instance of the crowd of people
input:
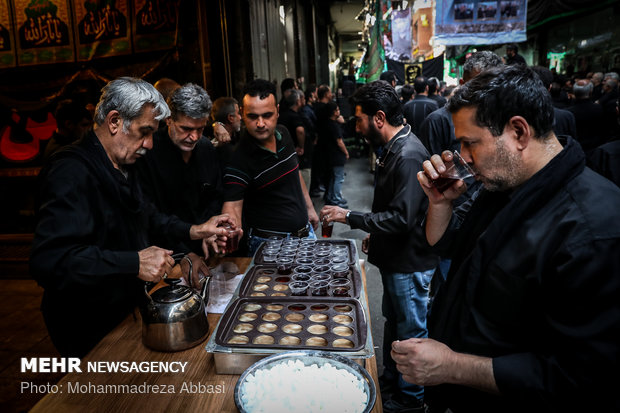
(524, 312)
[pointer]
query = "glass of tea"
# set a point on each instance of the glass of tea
(327, 228)
(340, 287)
(457, 170)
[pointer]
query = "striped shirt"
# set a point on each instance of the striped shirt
(268, 182)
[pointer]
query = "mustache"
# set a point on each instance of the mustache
(141, 151)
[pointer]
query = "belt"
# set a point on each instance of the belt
(263, 233)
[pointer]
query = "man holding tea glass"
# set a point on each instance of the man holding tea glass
(397, 245)
(262, 183)
(529, 316)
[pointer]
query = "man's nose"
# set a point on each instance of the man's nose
(260, 122)
(194, 134)
(147, 143)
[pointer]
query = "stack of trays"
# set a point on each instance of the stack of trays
(268, 315)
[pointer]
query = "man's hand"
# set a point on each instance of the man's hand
(332, 213)
(422, 361)
(427, 362)
(220, 133)
(432, 168)
(313, 218)
(154, 263)
(365, 243)
(212, 227)
(200, 269)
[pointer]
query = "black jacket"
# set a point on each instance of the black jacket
(535, 285)
(192, 191)
(92, 221)
(397, 240)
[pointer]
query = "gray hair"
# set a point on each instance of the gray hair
(479, 62)
(128, 95)
(291, 96)
(222, 107)
(190, 100)
(582, 89)
(612, 75)
(598, 76)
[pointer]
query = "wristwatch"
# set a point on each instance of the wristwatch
(346, 218)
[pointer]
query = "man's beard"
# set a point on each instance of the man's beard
(373, 136)
(507, 167)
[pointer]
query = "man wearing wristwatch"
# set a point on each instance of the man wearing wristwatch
(397, 245)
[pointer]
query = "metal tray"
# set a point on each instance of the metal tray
(264, 280)
(330, 324)
(309, 357)
(258, 256)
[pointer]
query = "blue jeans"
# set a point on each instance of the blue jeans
(254, 241)
(405, 300)
(334, 189)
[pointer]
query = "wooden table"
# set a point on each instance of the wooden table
(124, 343)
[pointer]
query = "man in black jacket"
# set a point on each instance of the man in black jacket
(181, 174)
(396, 242)
(91, 251)
(529, 317)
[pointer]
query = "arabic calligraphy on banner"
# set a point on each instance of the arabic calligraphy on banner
(155, 24)
(43, 34)
(101, 28)
(7, 40)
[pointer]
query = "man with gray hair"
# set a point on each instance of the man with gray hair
(181, 175)
(92, 251)
(589, 118)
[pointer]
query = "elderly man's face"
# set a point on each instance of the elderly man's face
(494, 159)
(185, 132)
(130, 145)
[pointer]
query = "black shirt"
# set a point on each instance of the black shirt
(334, 132)
(192, 191)
(417, 110)
(268, 183)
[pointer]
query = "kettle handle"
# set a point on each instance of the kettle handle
(191, 269)
(177, 259)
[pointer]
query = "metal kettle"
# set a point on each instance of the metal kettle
(174, 317)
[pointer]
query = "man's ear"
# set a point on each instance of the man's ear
(113, 121)
(379, 118)
(523, 132)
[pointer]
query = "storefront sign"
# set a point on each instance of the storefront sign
(101, 28)
(155, 24)
(43, 34)
(460, 22)
(7, 40)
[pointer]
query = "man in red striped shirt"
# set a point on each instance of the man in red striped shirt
(262, 183)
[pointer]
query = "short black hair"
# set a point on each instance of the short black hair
(389, 76)
(420, 84)
(513, 47)
(259, 87)
(544, 74)
(288, 83)
(406, 92)
(501, 93)
(379, 95)
(330, 108)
